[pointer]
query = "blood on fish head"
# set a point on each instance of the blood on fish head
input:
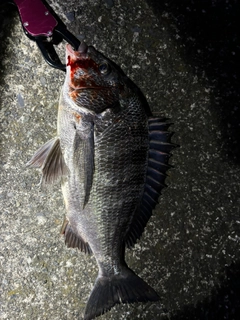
(92, 80)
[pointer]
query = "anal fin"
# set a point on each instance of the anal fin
(72, 240)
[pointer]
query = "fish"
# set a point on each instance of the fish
(111, 156)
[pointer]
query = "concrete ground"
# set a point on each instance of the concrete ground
(184, 55)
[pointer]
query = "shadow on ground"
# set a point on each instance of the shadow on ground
(210, 34)
(224, 302)
(7, 14)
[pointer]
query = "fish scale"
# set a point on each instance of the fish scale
(107, 151)
(112, 158)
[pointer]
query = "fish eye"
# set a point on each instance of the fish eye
(104, 68)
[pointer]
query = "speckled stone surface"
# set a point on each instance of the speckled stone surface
(184, 55)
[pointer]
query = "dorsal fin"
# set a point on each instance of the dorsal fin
(72, 240)
(50, 159)
(160, 147)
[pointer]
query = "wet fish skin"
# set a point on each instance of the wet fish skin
(112, 160)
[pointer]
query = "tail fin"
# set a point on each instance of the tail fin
(125, 287)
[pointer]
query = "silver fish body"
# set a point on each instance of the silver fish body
(112, 159)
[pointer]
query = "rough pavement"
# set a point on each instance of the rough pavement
(185, 58)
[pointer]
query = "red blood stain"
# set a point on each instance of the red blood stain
(84, 64)
(77, 116)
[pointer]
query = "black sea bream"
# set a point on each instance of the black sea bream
(111, 156)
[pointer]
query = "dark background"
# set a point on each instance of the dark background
(184, 55)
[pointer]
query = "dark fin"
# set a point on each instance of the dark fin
(160, 147)
(85, 147)
(89, 167)
(50, 159)
(125, 287)
(40, 156)
(72, 240)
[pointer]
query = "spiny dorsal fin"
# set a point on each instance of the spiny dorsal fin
(72, 240)
(160, 147)
(50, 159)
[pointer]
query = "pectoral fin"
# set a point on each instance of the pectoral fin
(88, 168)
(50, 159)
(84, 160)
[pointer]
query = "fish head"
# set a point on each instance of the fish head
(93, 82)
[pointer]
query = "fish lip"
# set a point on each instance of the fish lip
(88, 88)
(83, 47)
(71, 52)
(81, 52)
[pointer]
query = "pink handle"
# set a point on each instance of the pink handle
(36, 18)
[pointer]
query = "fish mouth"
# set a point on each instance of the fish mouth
(79, 53)
(80, 59)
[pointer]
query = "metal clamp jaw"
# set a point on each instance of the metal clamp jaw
(41, 24)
